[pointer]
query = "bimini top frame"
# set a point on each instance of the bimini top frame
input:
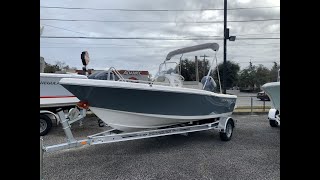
(213, 46)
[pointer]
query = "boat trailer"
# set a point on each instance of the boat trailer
(224, 125)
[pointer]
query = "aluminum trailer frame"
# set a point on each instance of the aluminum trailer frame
(224, 125)
(52, 115)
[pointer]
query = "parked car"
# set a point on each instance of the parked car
(263, 96)
(249, 89)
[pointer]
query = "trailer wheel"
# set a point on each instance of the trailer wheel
(226, 136)
(45, 124)
(274, 123)
(101, 123)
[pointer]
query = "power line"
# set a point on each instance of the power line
(126, 45)
(154, 10)
(84, 43)
(253, 34)
(152, 47)
(260, 44)
(104, 47)
(63, 29)
(145, 38)
(244, 46)
(257, 62)
(254, 38)
(152, 21)
(211, 36)
(124, 38)
(251, 57)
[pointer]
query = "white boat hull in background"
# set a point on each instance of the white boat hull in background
(52, 94)
(273, 91)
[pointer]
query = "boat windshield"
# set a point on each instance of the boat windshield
(103, 75)
(168, 68)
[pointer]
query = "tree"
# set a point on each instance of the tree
(188, 69)
(274, 72)
(232, 72)
(62, 65)
(262, 75)
(51, 68)
(253, 77)
(58, 66)
(247, 78)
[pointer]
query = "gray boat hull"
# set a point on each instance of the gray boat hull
(151, 107)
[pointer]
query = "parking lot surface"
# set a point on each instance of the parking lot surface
(252, 153)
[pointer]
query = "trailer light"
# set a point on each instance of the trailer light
(83, 142)
(83, 104)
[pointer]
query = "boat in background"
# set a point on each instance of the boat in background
(52, 94)
(272, 89)
(133, 105)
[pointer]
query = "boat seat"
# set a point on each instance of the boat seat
(161, 79)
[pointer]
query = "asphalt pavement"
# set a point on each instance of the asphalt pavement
(252, 153)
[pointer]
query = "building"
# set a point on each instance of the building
(135, 75)
(89, 71)
(126, 74)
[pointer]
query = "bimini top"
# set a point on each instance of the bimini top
(213, 46)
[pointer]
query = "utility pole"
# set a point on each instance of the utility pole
(180, 64)
(275, 64)
(231, 38)
(204, 67)
(197, 72)
(225, 47)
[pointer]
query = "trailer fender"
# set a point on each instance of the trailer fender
(272, 114)
(49, 112)
(223, 121)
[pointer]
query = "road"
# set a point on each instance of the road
(252, 153)
(244, 99)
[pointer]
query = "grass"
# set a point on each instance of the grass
(254, 109)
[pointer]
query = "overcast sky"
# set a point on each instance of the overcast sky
(148, 54)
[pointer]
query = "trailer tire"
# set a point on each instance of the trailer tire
(273, 123)
(226, 136)
(45, 124)
(101, 123)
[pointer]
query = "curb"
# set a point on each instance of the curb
(249, 113)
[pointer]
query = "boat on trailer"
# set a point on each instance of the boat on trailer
(162, 123)
(163, 102)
